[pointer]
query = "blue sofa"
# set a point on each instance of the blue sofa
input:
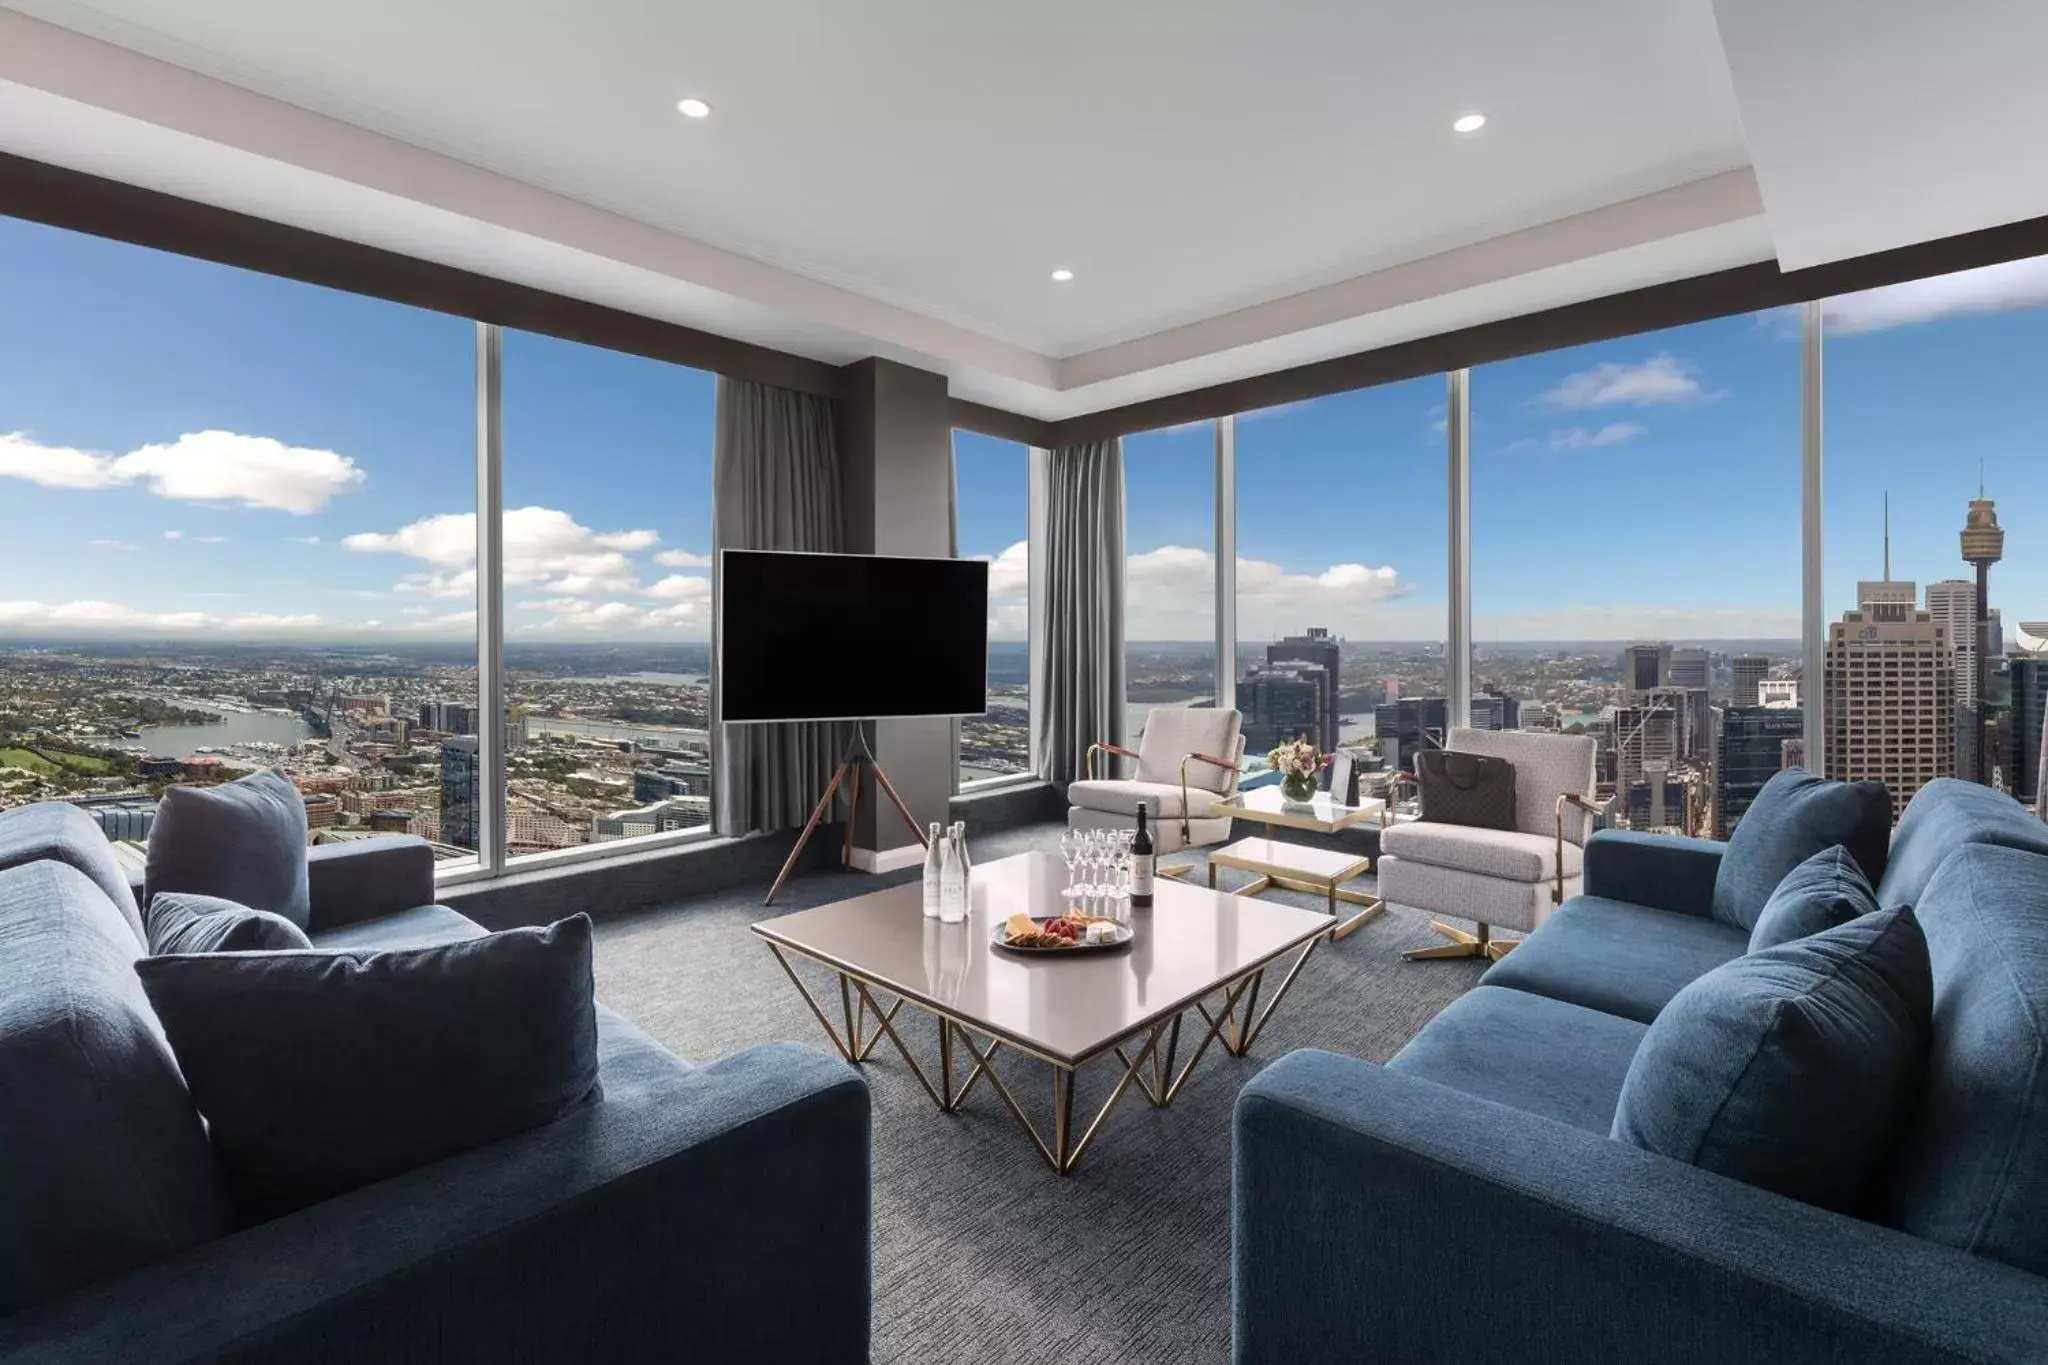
(713, 1213)
(1465, 1203)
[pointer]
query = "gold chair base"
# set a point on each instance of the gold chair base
(1482, 944)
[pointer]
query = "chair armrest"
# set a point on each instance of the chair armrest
(1187, 834)
(1380, 1216)
(1088, 764)
(368, 878)
(721, 1213)
(1666, 871)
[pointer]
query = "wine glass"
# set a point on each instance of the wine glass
(1072, 841)
(1120, 881)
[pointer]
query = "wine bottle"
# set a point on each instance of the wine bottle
(1141, 865)
(934, 855)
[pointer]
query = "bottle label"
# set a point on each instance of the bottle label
(1141, 874)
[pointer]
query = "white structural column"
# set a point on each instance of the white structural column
(490, 600)
(1458, 580)
(1226, 563)
(1813, 603)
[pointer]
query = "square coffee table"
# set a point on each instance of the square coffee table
(1066, 1010)
(1297, 867)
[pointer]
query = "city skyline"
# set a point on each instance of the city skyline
(193, 451)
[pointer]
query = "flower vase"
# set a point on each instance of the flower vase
(1298, 787)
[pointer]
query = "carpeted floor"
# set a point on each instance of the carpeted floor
(982, 1254)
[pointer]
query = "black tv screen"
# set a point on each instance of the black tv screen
(850, 637)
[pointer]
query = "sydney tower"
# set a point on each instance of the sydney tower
(1983, 546)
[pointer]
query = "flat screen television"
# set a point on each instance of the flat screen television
(850, 637)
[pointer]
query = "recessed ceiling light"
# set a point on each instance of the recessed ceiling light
(1470, 123)
(693, 108)
(1063, 274)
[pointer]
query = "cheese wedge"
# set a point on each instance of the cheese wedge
(1019, 925)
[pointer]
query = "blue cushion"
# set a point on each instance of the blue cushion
(243, 841)
(323, 1072)
(1617, 957)
(1825, 890)
(1794, 1068)
(1943, 816)
(1973, 1169)
(104, 1165)
(57, 831)
(1795, 816)
(1528, 1052)
(423, 926)
(180, 922)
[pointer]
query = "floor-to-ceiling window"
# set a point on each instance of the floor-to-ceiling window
(1935, 409)
(1636, 561)
(993, 478)
(239, 535)
(607, 553)
(1169, 571)
(1342, 517)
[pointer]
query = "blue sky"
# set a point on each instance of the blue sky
(195, 448)
(187, 448)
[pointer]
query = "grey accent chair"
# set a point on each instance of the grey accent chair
(1188, 762)
(1512, 878)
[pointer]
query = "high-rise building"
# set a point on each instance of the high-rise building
(1496, 711)
(1983, 545)
(1646, 664)
(448, 717)
(2022, 760)
(1889, 688)
(1749, 671)
(1777, 692)
(1317, 649)
(1690, 668)
(1646, 734)
(1407, 725)
(1752, 749)
(1281, 702)
(461, 780)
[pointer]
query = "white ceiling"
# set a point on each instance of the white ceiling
(1237, 188)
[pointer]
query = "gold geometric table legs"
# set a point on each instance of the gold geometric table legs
(1148, 1055)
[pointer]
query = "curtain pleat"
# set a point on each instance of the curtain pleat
(776, 473)
(1077, 689)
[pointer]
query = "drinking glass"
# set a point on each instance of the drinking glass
(1120, 882)
(1071, 843)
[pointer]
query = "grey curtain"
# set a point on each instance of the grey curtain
(775, 462)
(1077, 688)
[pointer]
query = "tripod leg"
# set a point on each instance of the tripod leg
(824, 803)
(889, 790)
(852, 810)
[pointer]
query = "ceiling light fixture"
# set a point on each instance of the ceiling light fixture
(1063, 274)
(1470, 123)
(693, 108)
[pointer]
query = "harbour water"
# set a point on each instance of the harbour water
(236, 730)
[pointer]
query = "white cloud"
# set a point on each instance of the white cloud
(304, 540)
(88, 617)
(201, 466)
(1663, 378)
(1170, 595)
(113, 545)
(211, 540)
(682, 559)
(1009, 573)
(542, 546)
(1989, 289)
(253, 471)
(174, 535)
(682, 587)
(22, 457)
(1585, 438)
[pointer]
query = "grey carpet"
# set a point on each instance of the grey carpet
(982, 1254)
